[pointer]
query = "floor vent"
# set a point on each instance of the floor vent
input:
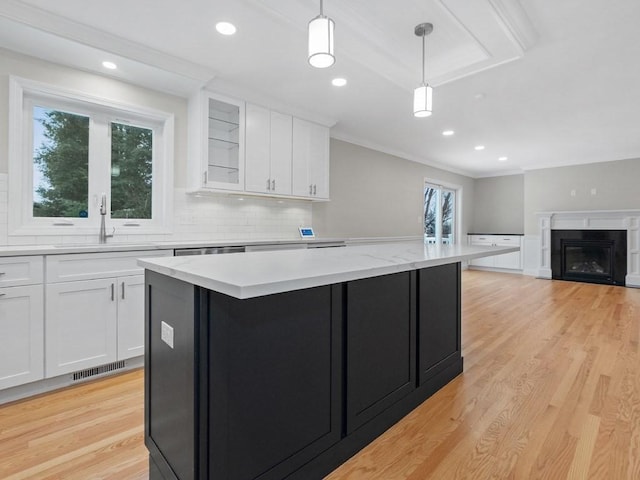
(90, 372)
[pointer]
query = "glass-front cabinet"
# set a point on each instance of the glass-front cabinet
(216, 142)
(236, 147)
(223, 152)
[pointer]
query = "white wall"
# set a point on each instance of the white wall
(374, 194)
(195, 218)
(615, 185)
(499, 205)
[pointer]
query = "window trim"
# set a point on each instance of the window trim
(457, 207)
(22, 93)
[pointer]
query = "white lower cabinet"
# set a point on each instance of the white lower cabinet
(130, 311)
(94, 322)
(94, 309)
(21, 335)
(507, 261)
(81, 325)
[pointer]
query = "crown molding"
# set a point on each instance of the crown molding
(398, 153)
(516, 21)
(91, 37)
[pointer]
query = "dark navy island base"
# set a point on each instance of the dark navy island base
(290, 385)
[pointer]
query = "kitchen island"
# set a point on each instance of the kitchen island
(281, 365)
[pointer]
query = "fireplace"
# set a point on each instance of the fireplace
(594, 221)
(593, 256)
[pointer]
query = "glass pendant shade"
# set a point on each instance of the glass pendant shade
(321, 42)
(423, 101)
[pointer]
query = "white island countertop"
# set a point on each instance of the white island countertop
(253, 274)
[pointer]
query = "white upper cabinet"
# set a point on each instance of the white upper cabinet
(310, 159)
(281, 151)
(216, 142)
(241, 147)
(268, 151)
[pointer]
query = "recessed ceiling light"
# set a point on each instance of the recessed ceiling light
(479, 147)
(503, 159)
(448, 133)
(339, 82)
(109, 65)
(225, 28)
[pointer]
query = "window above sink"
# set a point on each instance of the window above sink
(68, 148)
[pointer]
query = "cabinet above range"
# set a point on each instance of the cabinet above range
(238, 147)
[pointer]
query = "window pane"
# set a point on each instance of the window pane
(131, 171)
(60, 163)
(448, 209)
(430, 213)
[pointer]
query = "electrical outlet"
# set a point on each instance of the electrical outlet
(573, 193)
(594, 191)
(166, 334)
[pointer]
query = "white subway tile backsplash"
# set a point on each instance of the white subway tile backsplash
(228, 217)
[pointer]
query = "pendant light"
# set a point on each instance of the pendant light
(423, 94)
(321, 41)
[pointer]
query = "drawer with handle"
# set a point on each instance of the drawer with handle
(19, 271)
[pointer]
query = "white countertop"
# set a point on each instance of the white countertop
(253, 274)
(15, 250)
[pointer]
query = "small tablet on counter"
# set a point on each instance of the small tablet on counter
(306, 232)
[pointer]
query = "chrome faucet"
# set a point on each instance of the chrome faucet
(102, 236)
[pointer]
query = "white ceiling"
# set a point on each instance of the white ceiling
(543, 83)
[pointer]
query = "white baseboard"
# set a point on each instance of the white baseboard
(632, 281)
(493, 269)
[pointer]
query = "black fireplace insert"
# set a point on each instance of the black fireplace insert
(593, 256)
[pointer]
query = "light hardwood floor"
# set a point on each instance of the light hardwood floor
(551, 390)
(86, 432)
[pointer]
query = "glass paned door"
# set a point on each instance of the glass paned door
(439, 214)
(448, 215)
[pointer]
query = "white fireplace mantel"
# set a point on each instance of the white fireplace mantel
(628, 220)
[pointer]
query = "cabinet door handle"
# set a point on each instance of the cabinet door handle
(314, 188)
(2, 273)
(113, 292)
(310, 189)
(268, 184)
(122, 290)
(273, 185)
(205, 178)
(2, 294)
